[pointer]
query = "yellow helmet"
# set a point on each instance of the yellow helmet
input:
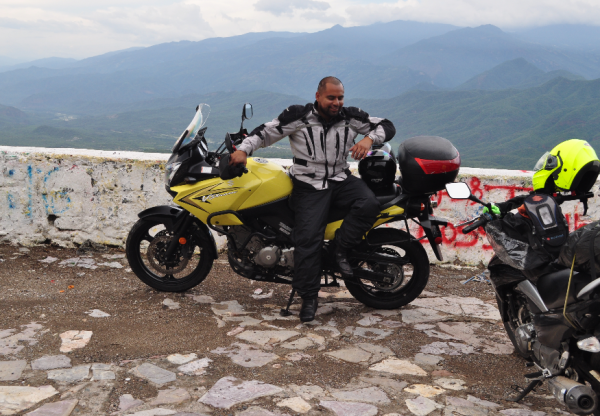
(570, 166)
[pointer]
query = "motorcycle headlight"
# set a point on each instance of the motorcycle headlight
(170, 171)
(590, 344)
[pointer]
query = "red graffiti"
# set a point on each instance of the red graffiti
(452, 236)
(476, 190)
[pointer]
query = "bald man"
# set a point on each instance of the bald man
(322, 135)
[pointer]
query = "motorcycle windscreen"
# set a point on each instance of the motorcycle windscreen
(513, 252)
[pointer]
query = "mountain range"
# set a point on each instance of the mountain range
(481, 87)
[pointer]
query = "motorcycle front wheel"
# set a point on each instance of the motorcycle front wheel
(410, 279)
(185, 268)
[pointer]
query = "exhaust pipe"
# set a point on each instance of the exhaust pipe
(579, 398)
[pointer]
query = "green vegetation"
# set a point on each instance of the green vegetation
(502, 129)
(507, 129)
(517, 73)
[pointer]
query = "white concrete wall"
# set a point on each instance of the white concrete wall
(67, 196)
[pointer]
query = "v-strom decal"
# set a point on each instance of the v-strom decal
(205, 195)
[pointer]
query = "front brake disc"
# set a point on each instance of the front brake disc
(156, 256)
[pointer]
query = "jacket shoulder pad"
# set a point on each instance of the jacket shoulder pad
(294, 113)
(356, 113)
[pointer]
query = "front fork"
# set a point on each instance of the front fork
(182, 222)
(431, 227)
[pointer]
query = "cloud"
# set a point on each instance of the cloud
(329, 19)
(151, 24)
(75, 28)
(506, 13)
(279, 7)
(42, 32)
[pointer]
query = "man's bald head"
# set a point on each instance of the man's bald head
(330, 97)
(328, 80)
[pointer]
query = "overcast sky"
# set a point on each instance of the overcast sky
(32, 29)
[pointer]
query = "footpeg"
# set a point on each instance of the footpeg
(538, 375)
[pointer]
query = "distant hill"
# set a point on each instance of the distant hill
(502, 129)
(507, 129)
(517, 73)
(379, 61)
(51, 63)
(152, 126)
(10, 116)
(453, 58)
(279, 62)
(565, 36)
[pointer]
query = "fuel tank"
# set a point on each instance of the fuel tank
(265, 182)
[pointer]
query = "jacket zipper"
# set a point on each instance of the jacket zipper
(337, 150)
(324, 147)
(307, 145)
(310, 134)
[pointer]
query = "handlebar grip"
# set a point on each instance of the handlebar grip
(475, 225)
(245, 170)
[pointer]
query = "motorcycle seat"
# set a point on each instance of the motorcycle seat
(387, 194)
(553, 287)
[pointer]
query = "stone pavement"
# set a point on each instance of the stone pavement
(235, 378)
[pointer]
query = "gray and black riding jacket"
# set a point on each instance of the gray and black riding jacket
(320, 148)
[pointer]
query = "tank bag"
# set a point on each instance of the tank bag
(549, 229)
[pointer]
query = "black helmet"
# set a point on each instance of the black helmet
(378, 168)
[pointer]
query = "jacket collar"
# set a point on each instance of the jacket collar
(341, 116)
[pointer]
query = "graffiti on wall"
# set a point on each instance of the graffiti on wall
(38, 183)
(68, 199)
(460, 211)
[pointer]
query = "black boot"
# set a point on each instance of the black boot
(341, 260)
(308, 310)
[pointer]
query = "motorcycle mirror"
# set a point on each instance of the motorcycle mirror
(228, 143)
(247, 112)
(458, 190)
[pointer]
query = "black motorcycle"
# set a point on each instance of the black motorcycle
(551, 313)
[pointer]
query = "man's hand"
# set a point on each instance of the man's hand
(239, 157)
(495, 210)
(360, 149)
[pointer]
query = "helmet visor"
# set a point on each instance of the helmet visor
(541, 162)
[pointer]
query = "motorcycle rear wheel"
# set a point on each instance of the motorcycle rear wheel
(402, 291)
(187, 267)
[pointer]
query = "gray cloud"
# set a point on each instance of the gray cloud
(42, 25)
(178, 21)
(330, 19)
(279, 7)
(506, 13)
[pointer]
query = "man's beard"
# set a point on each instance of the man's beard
(332, 113)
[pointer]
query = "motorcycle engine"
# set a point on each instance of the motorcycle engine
(548, 358)
(261, 253)
(524, 336)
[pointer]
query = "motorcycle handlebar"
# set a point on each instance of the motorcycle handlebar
(480, 222)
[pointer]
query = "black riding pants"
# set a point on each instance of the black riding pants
(311, 208)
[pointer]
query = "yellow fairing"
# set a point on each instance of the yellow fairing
(265, 182)
(333, 226)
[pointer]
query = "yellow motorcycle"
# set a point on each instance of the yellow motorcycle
(172, 248)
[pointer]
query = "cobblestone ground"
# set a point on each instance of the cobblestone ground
(81, 335)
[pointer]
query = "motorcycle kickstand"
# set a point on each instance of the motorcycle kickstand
(528, 389)
(286, 311)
